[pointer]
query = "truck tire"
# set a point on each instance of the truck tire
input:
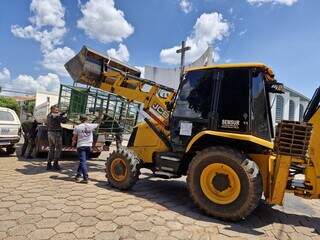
(122, 169)
(224, 183)
(10, 150)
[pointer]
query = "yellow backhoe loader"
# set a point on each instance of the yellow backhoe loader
(216, 129)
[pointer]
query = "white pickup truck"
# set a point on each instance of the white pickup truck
(10, 129)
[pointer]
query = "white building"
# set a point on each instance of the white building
(288, 106)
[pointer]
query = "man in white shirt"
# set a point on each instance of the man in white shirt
(83, 137)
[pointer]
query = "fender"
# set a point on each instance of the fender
(236, 136)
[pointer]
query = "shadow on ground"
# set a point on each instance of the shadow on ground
(69, 163)
(173, 195)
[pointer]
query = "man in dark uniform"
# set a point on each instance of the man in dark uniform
(54, 120)
(29, 133)
(111, 125)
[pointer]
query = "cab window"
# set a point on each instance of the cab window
(259, 108)
(6, 116)
(195, 95)
(233, 106)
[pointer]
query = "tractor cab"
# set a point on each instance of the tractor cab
(227, 100)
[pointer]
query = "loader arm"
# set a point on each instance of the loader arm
(139, 90)
(94, 69)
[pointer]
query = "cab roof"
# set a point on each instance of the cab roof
(229, 65)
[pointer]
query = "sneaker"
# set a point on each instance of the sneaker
(77, 178)
(49, 166)
(85, 181)
(56, 167)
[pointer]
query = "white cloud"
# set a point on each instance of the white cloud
(47, 24)
(55, 60)
(27, 83)
(48, 28)
(243, 32)
(47, 13)
(142, 70)
(121, 53)
(284, 2)
(186, 6)
(48, 39)
(102, 21)
(5, 76)
(209, 28)
(49, 82)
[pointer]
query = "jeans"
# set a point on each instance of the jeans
(55, 146)
(83, 153)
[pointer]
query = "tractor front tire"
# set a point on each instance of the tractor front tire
(122, 169)
(224, 183)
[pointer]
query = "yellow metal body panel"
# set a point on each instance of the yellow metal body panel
(229, 135)
(133, 90)
(266, 164)
(312, 172)
(147, 142)
(228, 65)
(280, 179)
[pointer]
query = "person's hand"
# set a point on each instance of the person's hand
(73, 144)
(99, 119)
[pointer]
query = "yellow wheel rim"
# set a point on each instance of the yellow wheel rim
(220, 183)
(119, 169)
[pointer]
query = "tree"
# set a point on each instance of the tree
(10, 103)
(29, 106)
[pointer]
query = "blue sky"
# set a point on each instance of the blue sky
(37, 37)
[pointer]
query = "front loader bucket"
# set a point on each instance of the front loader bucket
(88, 65)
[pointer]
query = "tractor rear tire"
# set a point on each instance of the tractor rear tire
(122, 169)
(224, 183)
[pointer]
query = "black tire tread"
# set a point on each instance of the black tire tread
(133, 168)
(256, 183)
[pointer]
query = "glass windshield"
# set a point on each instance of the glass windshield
(194, 98)
(260, 107)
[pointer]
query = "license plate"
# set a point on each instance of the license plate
(4, 143)
(5, 130)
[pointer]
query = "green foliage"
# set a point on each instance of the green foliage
(10, 103)
(29, 106)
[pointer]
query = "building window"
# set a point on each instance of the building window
(291, 110)
(279, 108)
(301, 112)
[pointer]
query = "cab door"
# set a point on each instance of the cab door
(233, 113)
(193, 108)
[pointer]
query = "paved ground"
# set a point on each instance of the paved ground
(36, 204)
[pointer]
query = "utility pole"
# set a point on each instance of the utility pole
(182, 50)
